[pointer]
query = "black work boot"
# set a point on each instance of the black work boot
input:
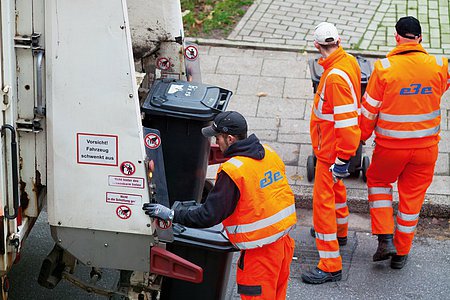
(317, 276)
(342, 241)
(385, 248)
(398, 261)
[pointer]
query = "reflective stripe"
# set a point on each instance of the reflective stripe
(329, 254)
(410, 118)
(340, 205)
(236, 162)
(342, 220)
(406, 229)
(261, 224)
(380, 190)
(342, 109)
(264, 241)
(448, 81)
(408, 134)
(380, 203)
(268, 148)
(385, 63)
(346, 123)
(326, 117)
(327, 237)
(368, 114)
(407, 217)
(439, 61)
(373, 102)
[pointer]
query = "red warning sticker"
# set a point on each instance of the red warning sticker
(123, 212)
(161, 224)
(163, 63)
(152, 141)
(127, 168)
(191, 52)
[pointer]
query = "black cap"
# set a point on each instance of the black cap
(229, 122)
(408, 27)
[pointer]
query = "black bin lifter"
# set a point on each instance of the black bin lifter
(358, 163)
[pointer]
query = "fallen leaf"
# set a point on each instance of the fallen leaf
(261, 94)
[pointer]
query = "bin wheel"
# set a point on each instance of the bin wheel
(206, 189)
(365, 166)
(310, 168)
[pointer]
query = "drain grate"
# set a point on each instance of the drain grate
(308, 257)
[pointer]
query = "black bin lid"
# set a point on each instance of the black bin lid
(211, 238)
(316, 70)
(190, 100)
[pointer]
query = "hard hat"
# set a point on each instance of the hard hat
(326, 34)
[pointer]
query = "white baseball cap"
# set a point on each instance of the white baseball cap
(326, 34)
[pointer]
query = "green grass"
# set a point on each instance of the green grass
(206, 17)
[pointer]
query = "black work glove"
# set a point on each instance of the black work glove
(159, 211)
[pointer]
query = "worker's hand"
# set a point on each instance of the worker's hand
(159, 211)
(340, 169)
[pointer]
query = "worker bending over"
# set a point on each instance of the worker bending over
(253, 200)
(402, 106)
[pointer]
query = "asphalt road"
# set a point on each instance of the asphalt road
(426, 276)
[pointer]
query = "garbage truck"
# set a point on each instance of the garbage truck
(73, 78)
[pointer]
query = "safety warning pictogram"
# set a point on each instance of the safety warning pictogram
(163, 224)
(127, 168)
(163, 63)
(191, 52)
(123, 212)
(152, 141)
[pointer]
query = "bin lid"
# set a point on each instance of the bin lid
(316, 70)
(190, 100)
(212, 237)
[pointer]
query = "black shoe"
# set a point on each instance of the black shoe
(342, 241)
(317, 276)
(398, 261)
(386, 247)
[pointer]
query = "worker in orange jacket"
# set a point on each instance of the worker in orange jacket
(402, 106)
(335, 137)
(254, 202)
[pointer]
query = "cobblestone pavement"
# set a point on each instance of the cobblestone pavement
(365, 25)
(273, 89)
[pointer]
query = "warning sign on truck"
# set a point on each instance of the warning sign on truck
(130, 182)
(122, 198)
(97, 149)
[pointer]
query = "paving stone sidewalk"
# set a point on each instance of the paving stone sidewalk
(365, 25)
(273, 89)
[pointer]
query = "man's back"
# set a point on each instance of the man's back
(407, 87)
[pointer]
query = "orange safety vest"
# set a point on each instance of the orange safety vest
(265, 211)
(335, 113)
(402, 99)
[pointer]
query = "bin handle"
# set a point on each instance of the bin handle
(223, 98)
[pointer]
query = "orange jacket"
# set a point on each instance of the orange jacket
(402, 99)
(335, 113)
(266, 210)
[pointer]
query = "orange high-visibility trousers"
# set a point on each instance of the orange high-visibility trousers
(413, 169)
(263, 273)
(330, 216)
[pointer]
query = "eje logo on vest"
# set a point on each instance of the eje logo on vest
(270, 178)
(414, 89)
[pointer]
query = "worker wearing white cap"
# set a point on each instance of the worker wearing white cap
(335, 137)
